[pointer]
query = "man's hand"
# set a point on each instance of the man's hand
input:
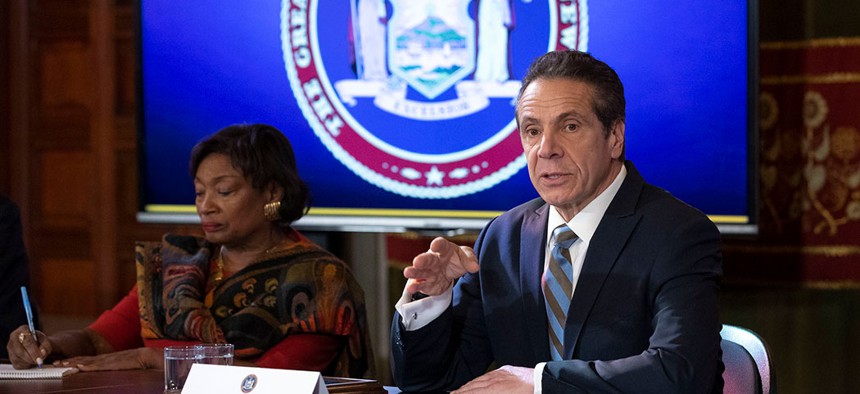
(434, 271)
(507, 379)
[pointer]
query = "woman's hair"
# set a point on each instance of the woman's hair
(608, 97)
(264, 155)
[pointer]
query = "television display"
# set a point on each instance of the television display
(401, 112)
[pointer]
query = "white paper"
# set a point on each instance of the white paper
(48, 372)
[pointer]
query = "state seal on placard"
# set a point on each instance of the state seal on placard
(249, 383)
(417, 96)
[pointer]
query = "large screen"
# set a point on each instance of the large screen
(401, 112)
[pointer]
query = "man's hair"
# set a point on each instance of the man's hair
(608, 98)
(264, 156)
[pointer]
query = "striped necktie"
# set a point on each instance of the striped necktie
(558, 287)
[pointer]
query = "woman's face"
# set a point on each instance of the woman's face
(230, 208)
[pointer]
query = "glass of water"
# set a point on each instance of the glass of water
(177, 364)
(216, 353)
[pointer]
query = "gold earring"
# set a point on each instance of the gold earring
(272, 211)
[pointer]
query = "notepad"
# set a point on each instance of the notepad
(7, 371)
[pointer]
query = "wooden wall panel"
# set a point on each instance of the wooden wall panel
(68, 287)
(58, 128)
(67, 19)
(126, 68)
(65, 74)
(66, 184)
(127, 207)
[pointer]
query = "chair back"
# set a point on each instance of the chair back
(747, 361)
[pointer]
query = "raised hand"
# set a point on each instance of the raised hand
(434, 271)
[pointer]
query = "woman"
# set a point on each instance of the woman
(252, 281)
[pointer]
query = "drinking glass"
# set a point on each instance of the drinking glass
(216, 353)
(177, 364)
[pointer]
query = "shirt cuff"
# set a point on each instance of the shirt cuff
(538, 375)
(419, 313)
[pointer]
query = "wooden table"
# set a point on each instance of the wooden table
(148, 381)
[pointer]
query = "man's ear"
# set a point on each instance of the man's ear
(616, 139)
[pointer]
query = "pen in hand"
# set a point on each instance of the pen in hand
(29, 310)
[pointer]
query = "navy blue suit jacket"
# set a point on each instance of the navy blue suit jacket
(644, 316)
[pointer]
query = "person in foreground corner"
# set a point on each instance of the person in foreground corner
(252, 281)
(14, 269)
(623, 297)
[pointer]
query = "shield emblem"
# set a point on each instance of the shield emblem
(431, 44)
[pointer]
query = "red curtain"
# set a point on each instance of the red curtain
(809, 167)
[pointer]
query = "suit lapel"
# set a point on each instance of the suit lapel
(612, 233)
(531, 257)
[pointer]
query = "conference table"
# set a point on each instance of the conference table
(148, 381)
(143, 381)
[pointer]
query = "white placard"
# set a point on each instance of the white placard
(210, 378)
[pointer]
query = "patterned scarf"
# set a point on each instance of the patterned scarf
(300, 288)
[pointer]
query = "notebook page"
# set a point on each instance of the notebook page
(46, 372)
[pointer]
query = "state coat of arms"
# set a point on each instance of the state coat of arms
(417, 96)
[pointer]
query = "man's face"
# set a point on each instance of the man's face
(570, 160)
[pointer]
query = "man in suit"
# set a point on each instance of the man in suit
(642, 272)
(14, 271)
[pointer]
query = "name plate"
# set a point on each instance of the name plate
(211, 378)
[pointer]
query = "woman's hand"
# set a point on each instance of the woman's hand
(140, 358)
(23, 350)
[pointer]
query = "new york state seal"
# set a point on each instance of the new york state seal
(417, 96)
